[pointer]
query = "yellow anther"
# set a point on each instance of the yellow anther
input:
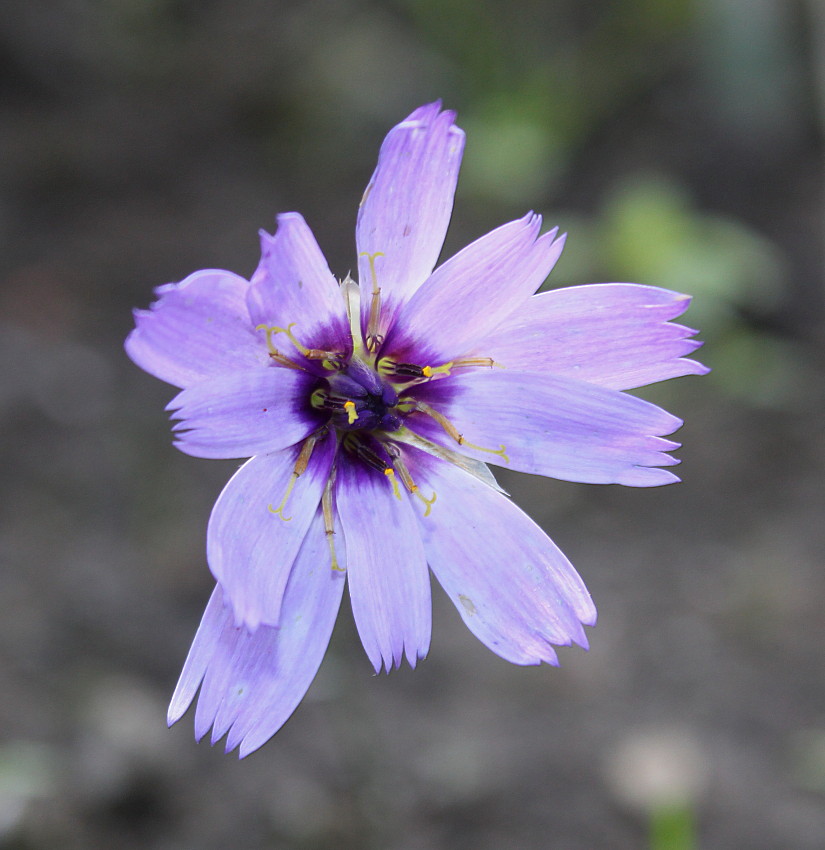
(460, 363)
(444, 369)
(298, 470)
(374, 339)
(352, 413)
(390, 473)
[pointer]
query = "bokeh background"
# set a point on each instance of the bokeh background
(679, 143)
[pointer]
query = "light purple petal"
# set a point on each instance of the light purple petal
(244, 413)
(511, 584)
(197, 328)
(250, 547)
(467, 297)
(201, 653)
(293, 286)
(389, 584)
(406, 207)
(555, 426)
(617, 335)
(252, 682)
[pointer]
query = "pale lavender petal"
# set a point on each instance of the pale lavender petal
(244, 413)
(406, 207)
(293, 287)
(251, 546)
(617, 335)
(197, 328)
(311, 603)
(511, 584)
(467, 297)
(389, 584)
(252, 682)
(555, 426)
(203, 649)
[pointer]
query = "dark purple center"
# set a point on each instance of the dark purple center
(358, 400)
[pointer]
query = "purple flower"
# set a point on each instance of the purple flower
(369, 414)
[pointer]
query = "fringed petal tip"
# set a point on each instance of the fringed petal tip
(616, 335)
(251, 682)
(396, 662)
(406, 207)
(195, 328)
(512, 586)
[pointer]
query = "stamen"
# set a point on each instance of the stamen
(452, 431)
(373, 459)
(374, 339)
(402, 370)
(329, 526)
(390, 473)
(363, 452)
(406, 478)
(415, 372)
(329, 359)
(459, 363)
(273, 352)
(352, 413)
(474, 361)
(298, 470)
(429, 371)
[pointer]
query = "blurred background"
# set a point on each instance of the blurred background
(680, 144)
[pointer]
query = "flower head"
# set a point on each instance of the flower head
(370, 411)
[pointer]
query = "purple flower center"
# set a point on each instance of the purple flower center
(357, 399)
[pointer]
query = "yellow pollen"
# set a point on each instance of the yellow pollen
(352, 413)
(461, 362)
(390, 473)
(444, 369)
